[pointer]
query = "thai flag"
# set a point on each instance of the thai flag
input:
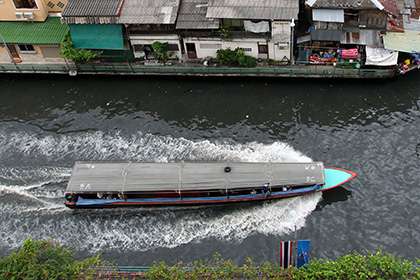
(302, 253)
(286, 252)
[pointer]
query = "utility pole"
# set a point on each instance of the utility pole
(8, 51)
(292, 29)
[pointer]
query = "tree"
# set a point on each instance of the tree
(160, 51)
(46, 259)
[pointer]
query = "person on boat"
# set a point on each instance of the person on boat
(253, 191)
(286, 188)
(267, 190)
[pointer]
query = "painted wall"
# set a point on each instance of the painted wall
(8, 10)
(42, 54)
(4, 56)
(208, 47)
(278, 46)
(150, 39)
(281, 36)
(55, 6)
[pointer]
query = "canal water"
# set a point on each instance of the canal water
(368, 127)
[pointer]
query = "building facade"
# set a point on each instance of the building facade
(31, 31)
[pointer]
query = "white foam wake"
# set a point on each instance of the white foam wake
(39, 211)
(139, 147)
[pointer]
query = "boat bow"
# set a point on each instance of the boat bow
(335, 177)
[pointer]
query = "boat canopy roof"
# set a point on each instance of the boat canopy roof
(91, 177)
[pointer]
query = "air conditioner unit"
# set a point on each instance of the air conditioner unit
(19, 15)
(29, 15)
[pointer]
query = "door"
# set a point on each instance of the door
(148, 51)
(263, 51)
(13, 51)
(192, 54)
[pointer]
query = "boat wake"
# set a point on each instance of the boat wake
(31, 198)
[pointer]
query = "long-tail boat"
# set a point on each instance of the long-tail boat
(115, 184)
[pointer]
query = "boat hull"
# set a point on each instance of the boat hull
(334, 177)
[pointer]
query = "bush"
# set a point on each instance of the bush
(354, 266)
(358, 266)
(45, 259)
(77, 55)
(235, 58)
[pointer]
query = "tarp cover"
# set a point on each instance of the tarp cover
(259, 27)
(91, 177)
(97, 36)
(380, 56)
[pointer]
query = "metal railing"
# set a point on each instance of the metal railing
(128, 69)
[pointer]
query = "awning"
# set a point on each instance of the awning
(328, 15)
(97, 36)
(49, 32)
(380, 57)
(408, 42)
(326, 35)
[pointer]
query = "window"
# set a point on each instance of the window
(263, 49)
(210, 46)
(25, 4)
(138, 48)
(26, 48)
(173, 47)
(247, 49)
(234, 24)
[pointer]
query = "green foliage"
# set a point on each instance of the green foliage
(160, 50)
(77, 55)
(218, 268)
(45, 259)
(358, 266)
(223, 31)
(235, 58)
(355, 266)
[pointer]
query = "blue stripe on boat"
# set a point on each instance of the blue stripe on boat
(86, 202)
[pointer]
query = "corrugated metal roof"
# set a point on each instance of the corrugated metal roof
(51, 31)
(90, 20)
(342, 4)
(80, 8)
(408, 42)
(192, 15)
(390, 6)
(411, 23)
(326, 35)
(149, 12)
(328, 15)
(92, 177)
(356, 36)
(251, 9)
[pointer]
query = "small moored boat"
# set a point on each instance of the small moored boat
(115, 184)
